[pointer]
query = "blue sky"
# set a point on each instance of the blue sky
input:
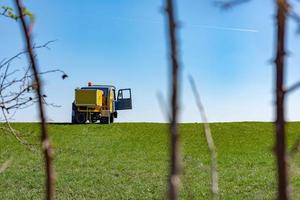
(123, 43)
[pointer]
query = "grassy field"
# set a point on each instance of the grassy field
(130, 161)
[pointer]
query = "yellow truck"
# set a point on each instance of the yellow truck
(99, 103)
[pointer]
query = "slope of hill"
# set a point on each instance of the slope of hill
(130, 161)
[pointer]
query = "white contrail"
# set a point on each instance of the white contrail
(222, 28)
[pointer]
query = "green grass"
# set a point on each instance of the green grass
(130, 161)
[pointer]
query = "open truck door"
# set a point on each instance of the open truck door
(124, 100)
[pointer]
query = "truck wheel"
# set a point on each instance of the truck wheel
(80, 117)
(115, 114)
(112, 118)
(105, 120)
(94, 118)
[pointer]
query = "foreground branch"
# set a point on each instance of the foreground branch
(210, 142)
(47, 149)
(282, 10)
(175, 167)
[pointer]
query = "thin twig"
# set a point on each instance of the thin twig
(46, 146)
(45, 45)
(210, 142)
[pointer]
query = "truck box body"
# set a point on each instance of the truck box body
(89, 98)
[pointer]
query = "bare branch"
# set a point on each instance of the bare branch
(5, 165)
(175, 165)
(4, 62)
(17, 87)
(210, 142)
(46, 146)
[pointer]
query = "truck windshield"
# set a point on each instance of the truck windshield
(104, 90)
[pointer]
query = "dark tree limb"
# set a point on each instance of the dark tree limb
(282, 12)
(175, 165)
(46, 146)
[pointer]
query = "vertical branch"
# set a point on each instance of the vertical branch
(210, 142)
(282, 9)
(175, 167)
(47, 149)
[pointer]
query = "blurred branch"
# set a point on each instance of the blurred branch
(8, 12)
(293, 88)
(5, 165)
(175, 165)
(293, 15)
(282, 12)
(46, 146)
(295, 149)
(228, 4)
(163, 107)
(210, 142)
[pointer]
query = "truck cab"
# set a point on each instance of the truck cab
(99, 103)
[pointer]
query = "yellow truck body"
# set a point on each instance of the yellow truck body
(89, 98)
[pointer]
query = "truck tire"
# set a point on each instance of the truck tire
(80, 117)
(105, 120)
(94, 118)
(115, 114)
(112, 118)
